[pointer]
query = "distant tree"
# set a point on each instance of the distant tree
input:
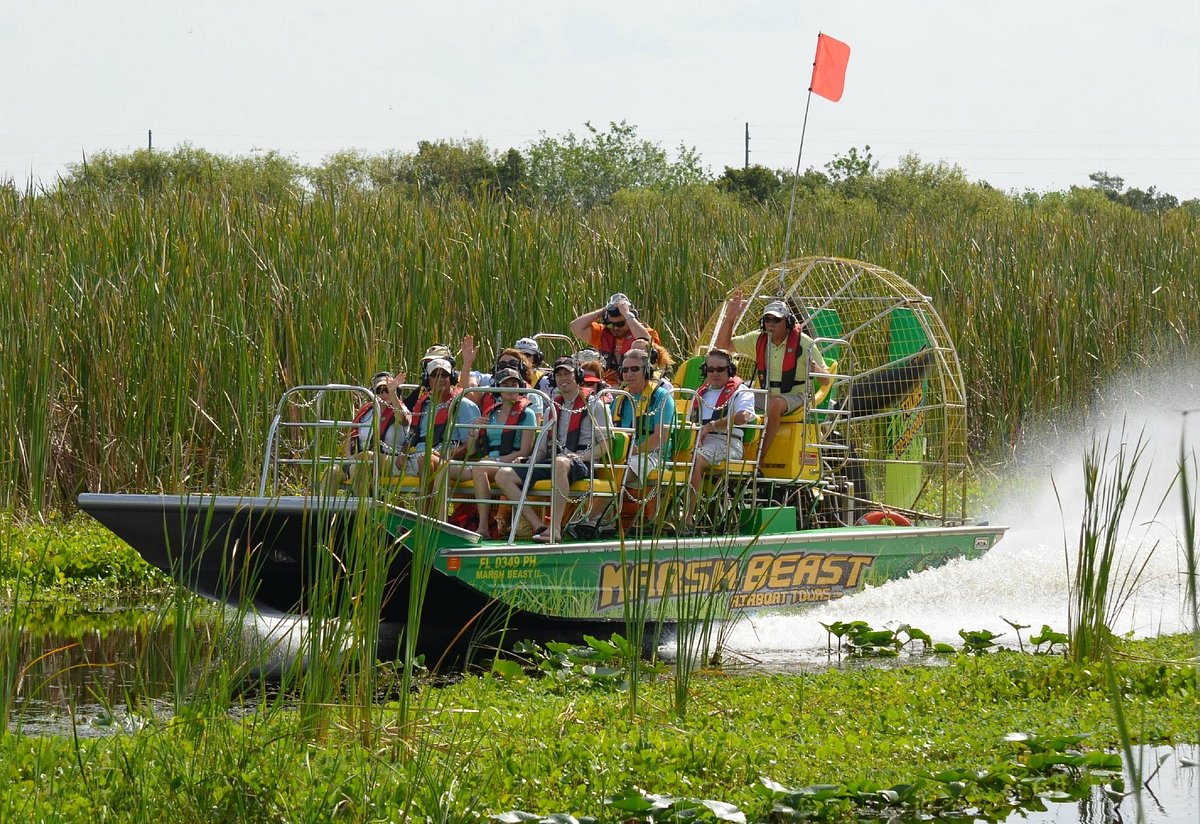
(1108, 185)
(852, 166)
(512, 172)
(591, 169)
(756, 182)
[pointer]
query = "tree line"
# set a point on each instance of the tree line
(585, 170)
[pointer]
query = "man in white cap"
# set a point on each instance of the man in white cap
(430, 444)
(784, 358)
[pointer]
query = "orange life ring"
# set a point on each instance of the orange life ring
(879, 517)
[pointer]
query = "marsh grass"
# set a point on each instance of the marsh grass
(143, 339)
(1114, 487)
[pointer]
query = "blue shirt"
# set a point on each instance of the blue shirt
(494, 431)
(466, 414)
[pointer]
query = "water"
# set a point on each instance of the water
(1025, 578)
(1171, 795)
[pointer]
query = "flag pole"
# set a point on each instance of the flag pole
(787, 237)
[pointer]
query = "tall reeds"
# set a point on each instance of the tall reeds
(1101, 582)
(143, 340)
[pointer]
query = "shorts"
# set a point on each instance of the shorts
(795, 400)
(578, 471)
(416, 462)
(641, 464)
(717, 447)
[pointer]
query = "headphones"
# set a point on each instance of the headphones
(646, 358)
(789, 318)
(721, 353)
(578, 371)
(522, 364)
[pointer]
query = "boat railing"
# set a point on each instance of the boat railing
(611, 467)
(310, 407)
(457, 485)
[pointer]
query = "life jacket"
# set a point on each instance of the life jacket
(721, 410)
(575, 422)
(642, 417)
(508, 437)
(439, 419)
(790, 353)
(613, 349)
(386, 419)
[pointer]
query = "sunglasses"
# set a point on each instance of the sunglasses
(508, 364)
(711, 369)
(382, 389)
(617, 324)
(771, 319)
(439, 374)
(625, 369)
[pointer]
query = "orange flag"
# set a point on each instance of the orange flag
(829, 68)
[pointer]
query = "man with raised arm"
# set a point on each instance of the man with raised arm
(611, 331)
(784, 358)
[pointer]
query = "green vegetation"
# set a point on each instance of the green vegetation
(548, 745)
(147, 334)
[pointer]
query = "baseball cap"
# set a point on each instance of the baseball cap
(503, 375)
(528, 345)
(565, 362)
(777, 308)
(438, 363)
(381, 377)
(437, 351)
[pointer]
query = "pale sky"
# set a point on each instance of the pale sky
(1021, 94)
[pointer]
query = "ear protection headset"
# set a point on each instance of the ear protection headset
(646, 359)
(522, 364)
(729, 361)
(578, 371)
(789, 319)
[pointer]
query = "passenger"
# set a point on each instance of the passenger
(610, 331)
(784, 358)
(660, 359)
(511, 358)
(360, 444)
(500, 446)
(650, 414)
(541, 375)
(438, 350)
(593, 370)
(581, 434)
(723, 399)
(427, 444)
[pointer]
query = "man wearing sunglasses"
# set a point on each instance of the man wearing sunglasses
(784, 358)
(650, 413)
(361, 445)
(611, 331)
(723, 404)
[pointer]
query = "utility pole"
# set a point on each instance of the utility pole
(747, 146)
(149, 140)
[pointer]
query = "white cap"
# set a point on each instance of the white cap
(777, 308)
(436, 364)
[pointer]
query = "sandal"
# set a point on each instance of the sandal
(540, 530)
(544, 537)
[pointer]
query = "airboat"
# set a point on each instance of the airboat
(863, 484)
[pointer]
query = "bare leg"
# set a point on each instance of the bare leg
(510, 485)
(558, 500)
(693, 490)
(776, 409)
(482, 478)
